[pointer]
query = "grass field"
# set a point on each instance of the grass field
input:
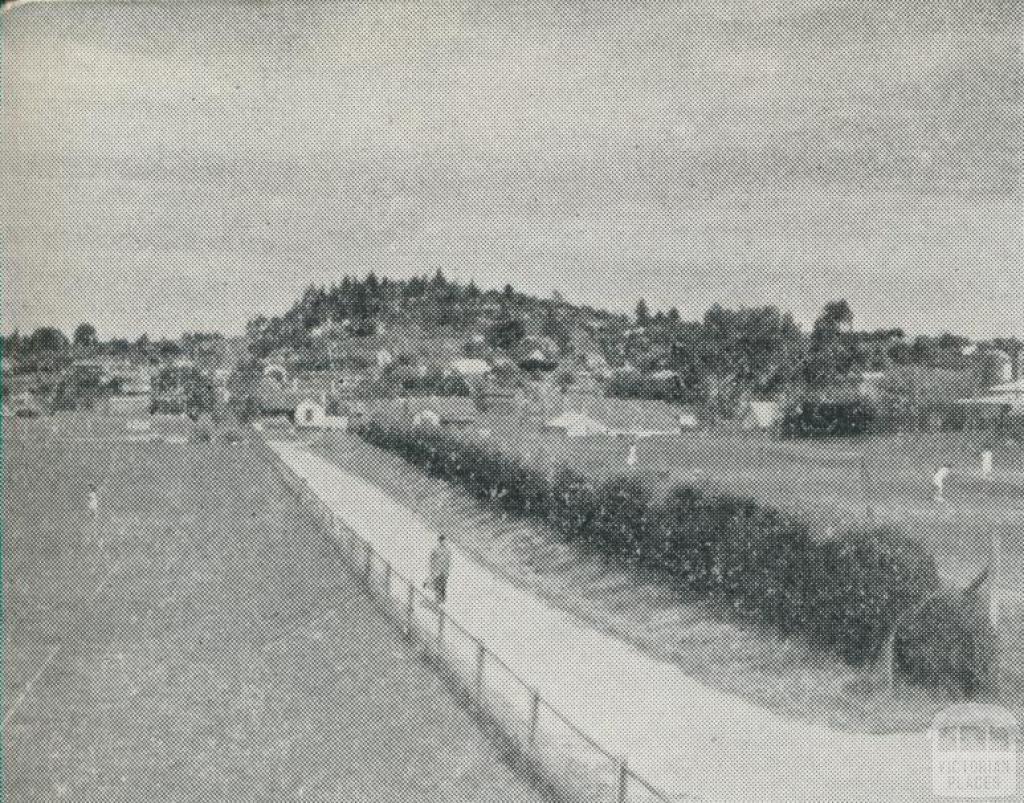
(206, 643)
(833, 483)
(783, 675)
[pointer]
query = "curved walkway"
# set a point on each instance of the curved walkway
(686, 737)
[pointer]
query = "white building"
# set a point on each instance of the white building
(574, 424)
(760, 415)
(470, 367)
(311, 414)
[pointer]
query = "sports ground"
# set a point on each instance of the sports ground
(206, 643)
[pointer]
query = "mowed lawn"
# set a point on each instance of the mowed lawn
(206, 644)
(832, 484)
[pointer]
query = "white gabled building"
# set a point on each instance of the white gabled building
(311, 414)
(760, 415)
(469, 367)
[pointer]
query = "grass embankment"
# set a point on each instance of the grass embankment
(207, 642)
(703, 637)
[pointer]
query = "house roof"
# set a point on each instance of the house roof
(448, 408)
(1015, 403)
(924, 384)
(1016, 386)
(572, 419)
(633, 415)
(470, 367)
(315, 385)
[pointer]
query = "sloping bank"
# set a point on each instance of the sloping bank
(845, 595)
(686, 737)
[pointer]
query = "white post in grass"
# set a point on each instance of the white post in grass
(409, 607)
(993, 582)
(481, 658)
(531, 731)
(994, 556)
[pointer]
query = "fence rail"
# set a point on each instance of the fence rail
(573, 763)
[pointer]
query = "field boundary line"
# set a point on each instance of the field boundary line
(111, 571)
(28, 687)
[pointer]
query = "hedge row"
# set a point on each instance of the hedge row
(829, 419)
(844, 595)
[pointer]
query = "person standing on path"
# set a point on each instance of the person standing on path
(439, 565)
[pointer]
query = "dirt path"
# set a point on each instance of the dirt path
(682, 735)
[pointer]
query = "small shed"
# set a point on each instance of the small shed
(760, 415)
(573, 424)
(468, 366)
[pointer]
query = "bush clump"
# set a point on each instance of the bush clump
(829, 419)
(949, 644)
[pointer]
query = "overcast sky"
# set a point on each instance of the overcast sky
(183, 167)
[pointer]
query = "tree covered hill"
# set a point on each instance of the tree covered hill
(423, 314)
(728, 354)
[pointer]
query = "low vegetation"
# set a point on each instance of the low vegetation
(844, 594)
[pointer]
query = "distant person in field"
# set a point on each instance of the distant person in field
(939, 483)
(439, 566)
(986, 464)
(92, 502)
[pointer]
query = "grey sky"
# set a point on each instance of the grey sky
(172, 167)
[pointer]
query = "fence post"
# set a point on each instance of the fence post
(531, 732)
(409, 612)
(481, 657)
(440, 631)
(387, 582)
(621, 780)
(369, 564)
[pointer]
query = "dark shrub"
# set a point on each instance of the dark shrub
(573, 504)
(859, 585)
(622, 524)
(681, 541)
(949, 644)
(828, 419)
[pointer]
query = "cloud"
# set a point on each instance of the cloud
(522, 143)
